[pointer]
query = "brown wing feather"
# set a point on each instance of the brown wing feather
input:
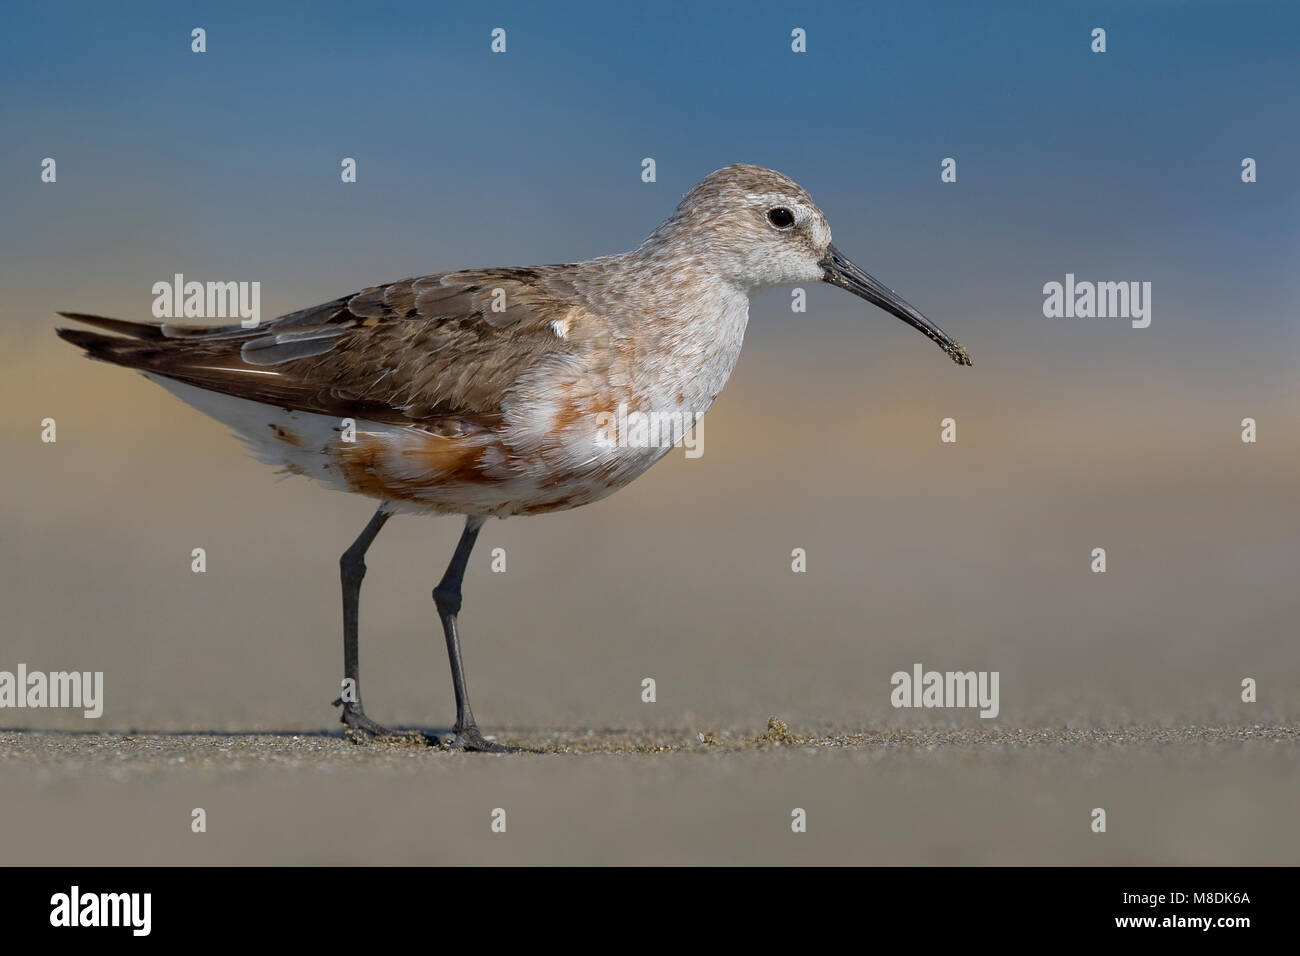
(412, 351)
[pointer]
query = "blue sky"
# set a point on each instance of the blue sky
(1119, 166)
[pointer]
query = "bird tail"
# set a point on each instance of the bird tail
(111, 348)
(136, 330)
(136, 344)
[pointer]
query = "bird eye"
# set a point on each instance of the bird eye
(780, 217)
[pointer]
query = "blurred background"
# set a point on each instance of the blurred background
(1073, 434)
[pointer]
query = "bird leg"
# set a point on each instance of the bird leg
(352, 568)
(465, 734)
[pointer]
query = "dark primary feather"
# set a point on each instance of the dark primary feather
(416, 350)
(139, 330)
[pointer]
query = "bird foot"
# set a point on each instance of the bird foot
(362, 730)
(471, 739)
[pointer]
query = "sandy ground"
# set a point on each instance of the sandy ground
(1178, 795)
(974, 556)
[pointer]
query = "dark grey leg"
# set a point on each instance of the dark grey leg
(447, 597)
(352, 568)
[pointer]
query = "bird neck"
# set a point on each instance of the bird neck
(684, 323)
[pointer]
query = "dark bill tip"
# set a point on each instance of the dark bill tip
(841, 271)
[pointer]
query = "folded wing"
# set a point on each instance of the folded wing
(414, 351)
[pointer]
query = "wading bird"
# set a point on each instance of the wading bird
(478, 392)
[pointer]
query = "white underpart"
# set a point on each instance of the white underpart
(682, 374)
(256, 425)
(307, 443)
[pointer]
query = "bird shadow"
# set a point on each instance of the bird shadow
(433, 738)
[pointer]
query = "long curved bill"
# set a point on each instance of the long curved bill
(840, 271)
